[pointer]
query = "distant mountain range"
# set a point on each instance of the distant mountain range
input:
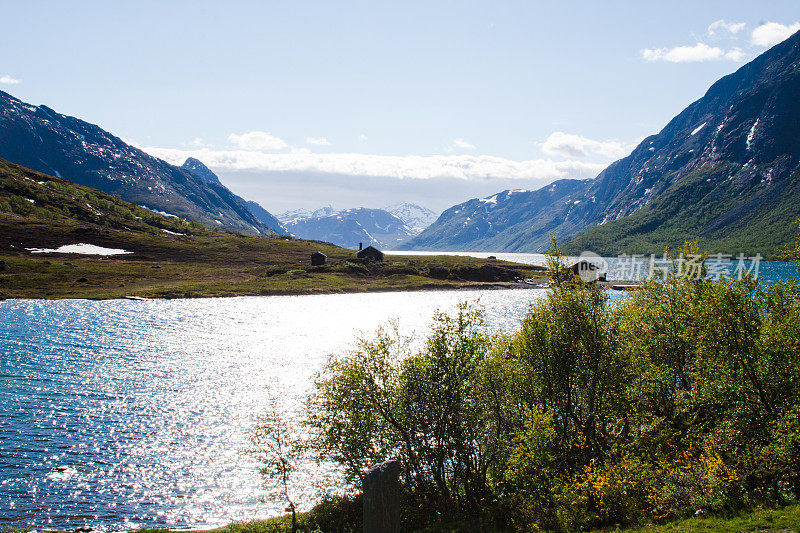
(295, 215)
(415, 217)
(348, 228)
(39, 138)
(725, 171)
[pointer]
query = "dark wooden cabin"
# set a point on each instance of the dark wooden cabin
(318, 259)
(370, 253)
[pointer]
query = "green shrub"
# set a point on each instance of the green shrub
(683, 396)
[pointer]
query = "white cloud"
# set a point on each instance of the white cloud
(463, 145)
(468, 167)
(317, 141)
(735, 54)
(8, 80)
(571, 145)
(257, 140)
(686, 54)
(771, 33)
(362, 137)
(197, 142)
(723, 25)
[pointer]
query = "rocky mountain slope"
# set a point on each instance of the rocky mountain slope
(513, 220)
(348, 228)
(44, 140)
(41, 211)
(196, 167)
(724, 171)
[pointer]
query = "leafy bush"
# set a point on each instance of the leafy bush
(684, 396)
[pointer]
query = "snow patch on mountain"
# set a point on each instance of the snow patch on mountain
(415, 217)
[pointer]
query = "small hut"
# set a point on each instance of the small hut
(587, 271)
(318, 259)
(370, 253)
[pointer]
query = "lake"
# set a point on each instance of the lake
(121, 414)
(124, 413)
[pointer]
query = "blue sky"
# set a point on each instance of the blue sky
(367, 103)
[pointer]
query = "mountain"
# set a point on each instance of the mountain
(298, 214)
(725, 171)
(265, 217)
(39, 138)
(42, 211)
(415, 217)
(348, 228)
(196, 167)
(513, 220)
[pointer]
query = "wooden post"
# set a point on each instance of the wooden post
(381, 489)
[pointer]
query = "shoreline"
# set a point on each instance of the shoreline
(486, 286)
(283, 270)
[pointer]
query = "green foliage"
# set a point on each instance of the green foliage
(432, 410)
(725, 216)
(279, 449)
(557, 269)
(791, 252)
(683, 396)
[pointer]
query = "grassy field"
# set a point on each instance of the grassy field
(273, 268)
(762, 520)
(173, 258)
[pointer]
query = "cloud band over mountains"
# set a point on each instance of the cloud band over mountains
(468, 167)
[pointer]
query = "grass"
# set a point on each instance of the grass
(785, 519)
(41, 211)
(762, 520)
(254, 266)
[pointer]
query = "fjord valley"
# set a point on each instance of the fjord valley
(401, 266)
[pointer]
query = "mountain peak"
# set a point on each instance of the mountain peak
(416, 217)
(197, 168)
(722, 171)
(348, 227)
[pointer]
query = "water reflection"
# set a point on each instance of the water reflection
(128, 413)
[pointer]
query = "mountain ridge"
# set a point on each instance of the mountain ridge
(742, 136)
(348, 228)
(44, 140)
(199, 169)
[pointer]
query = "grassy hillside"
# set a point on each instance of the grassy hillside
(175, 258)
(724, 218)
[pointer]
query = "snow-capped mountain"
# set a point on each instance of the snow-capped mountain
(725, 171)
(415, 217)
(349, 227)
(39, 138)
(295, 215)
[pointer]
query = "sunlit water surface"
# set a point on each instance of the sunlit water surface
(118, 414)
(136, 413)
